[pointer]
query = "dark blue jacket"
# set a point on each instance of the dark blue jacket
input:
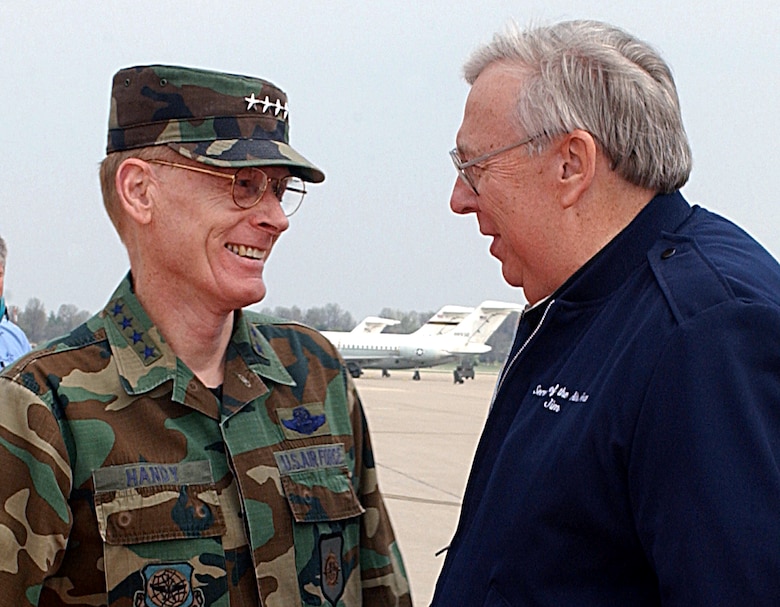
(632, 454)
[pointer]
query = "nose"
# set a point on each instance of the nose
(268, 214)
(463, 200)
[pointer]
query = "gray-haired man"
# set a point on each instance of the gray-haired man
(631, 453)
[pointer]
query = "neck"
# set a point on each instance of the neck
(599, 216)
(198, 336)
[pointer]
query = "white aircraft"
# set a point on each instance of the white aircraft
(374, 324)
(453, 333)
(444, 321)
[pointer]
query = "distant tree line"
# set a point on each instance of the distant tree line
(409, 322)
(329, 317)
(40, 327)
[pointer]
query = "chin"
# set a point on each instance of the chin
(245, 298)
(512, 279)
(256, 297)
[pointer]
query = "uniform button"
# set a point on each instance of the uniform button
(668, 253)
(124, 519)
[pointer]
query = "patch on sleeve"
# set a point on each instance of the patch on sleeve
(168, 585)
(332, 567)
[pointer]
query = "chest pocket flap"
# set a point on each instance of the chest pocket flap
(145, 502)
(317, 483)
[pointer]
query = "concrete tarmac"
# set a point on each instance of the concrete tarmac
(424, 435)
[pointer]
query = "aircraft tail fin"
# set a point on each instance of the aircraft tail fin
(373, 324)
(480, 324)
(444, 321)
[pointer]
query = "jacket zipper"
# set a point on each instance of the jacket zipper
(500, 383)
(508, 366)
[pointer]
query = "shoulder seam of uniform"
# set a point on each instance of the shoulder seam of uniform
(256, 318)
(52, 348)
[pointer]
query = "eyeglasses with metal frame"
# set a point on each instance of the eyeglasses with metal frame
(461, 166)
(248, 184)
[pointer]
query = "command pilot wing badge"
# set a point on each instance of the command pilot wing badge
(306, 419)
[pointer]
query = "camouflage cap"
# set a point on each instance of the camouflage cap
(218, 119)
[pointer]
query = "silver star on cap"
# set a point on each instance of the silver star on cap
(251, 102)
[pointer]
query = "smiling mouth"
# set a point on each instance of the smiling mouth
(245, 251)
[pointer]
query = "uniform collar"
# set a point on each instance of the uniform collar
(146, 363)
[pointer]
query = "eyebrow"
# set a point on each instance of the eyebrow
(464, 150)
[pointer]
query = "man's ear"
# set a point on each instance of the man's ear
(578, 152)
(134, 180)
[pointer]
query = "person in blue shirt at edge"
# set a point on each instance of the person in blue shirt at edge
(630, 456)
(13, 341)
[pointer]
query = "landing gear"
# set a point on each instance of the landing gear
(385, 373)
(465, 370)
(354, 370)
(416, 375)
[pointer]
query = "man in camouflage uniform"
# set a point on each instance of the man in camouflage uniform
(176, 450)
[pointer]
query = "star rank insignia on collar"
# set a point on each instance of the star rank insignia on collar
(132, 330)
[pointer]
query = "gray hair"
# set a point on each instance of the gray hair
(596, 77)
(3, 252)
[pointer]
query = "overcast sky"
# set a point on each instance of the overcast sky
(376, 98)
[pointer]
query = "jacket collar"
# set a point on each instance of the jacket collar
(611, 266)
(146, 363)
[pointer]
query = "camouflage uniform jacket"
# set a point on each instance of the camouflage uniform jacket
(126, 482)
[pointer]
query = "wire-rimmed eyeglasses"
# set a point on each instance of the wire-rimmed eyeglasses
(248, 184)
(461, 166)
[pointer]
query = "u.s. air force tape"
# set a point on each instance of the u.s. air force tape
(310, 458)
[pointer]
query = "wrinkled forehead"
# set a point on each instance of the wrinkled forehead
(490, 113)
